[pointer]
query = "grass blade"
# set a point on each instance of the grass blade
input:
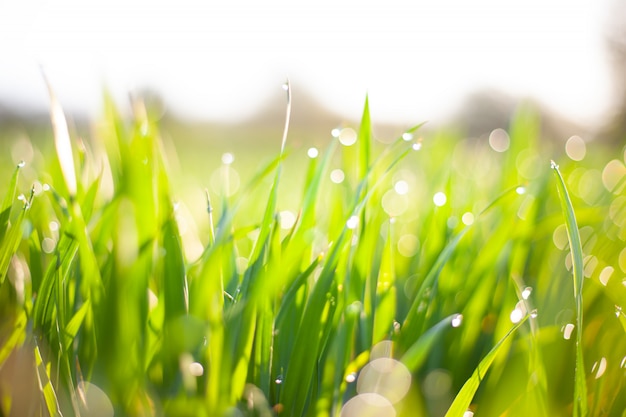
(464, 397)
(573, 236)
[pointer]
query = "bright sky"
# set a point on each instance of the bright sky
(415, 59)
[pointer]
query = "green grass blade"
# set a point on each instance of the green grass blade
(364, 141)
(11, 241)
(62, 142)
(573, 236)
(45, 385)
(416, 355)
(466, 394)
(7, 203)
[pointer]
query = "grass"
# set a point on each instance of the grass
(430, 276)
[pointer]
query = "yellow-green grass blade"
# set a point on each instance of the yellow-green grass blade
(62, 142)
(573, 236)
(463, 399)
(333, 384)
(300, 371)
(12, 239)
(364, 140)
(45, 385)
(7, 202)
(57, 272)
(15, 338)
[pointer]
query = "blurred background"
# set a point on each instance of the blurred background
(212, 71)
(223, 61)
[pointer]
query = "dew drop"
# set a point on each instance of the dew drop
(406, 136)
(457, 320)
(467, 218)
(599, 367)
(401, 187)
(335, 132)
(553, 165)
(279, 380)
(516, 315)
(439, 199)
(352, 222)
(312, 153)
(22, 164)
(196, 369)
(417, 146)
(605, 275)
(351, 377)
(533, 313)
(520, 190)
(567, 331)
(618, 311)
(526, 293)
(285, 86)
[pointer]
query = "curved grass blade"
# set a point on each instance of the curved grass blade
(464, 397)
(573, 236)
(45, 385)
(415, 356)
(62, 141)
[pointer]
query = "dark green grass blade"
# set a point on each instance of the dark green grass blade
(464, 397)
(573, 235)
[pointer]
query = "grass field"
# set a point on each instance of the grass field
(432, 276)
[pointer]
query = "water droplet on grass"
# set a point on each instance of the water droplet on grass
(567, 331)
(516, 315)
(312, 153)
(351, 377)
(553, 165)
(439, 199)
(407, 136)
(196, 369)
(401, 187)
(279, 380)
(352, 222)
(22, 164)
(526, 293)
(520, 190)
(533, 314)
(599, 367)
(467, 218)
(417, 146)
(457, 320)
(618, 311)
(605, 275)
